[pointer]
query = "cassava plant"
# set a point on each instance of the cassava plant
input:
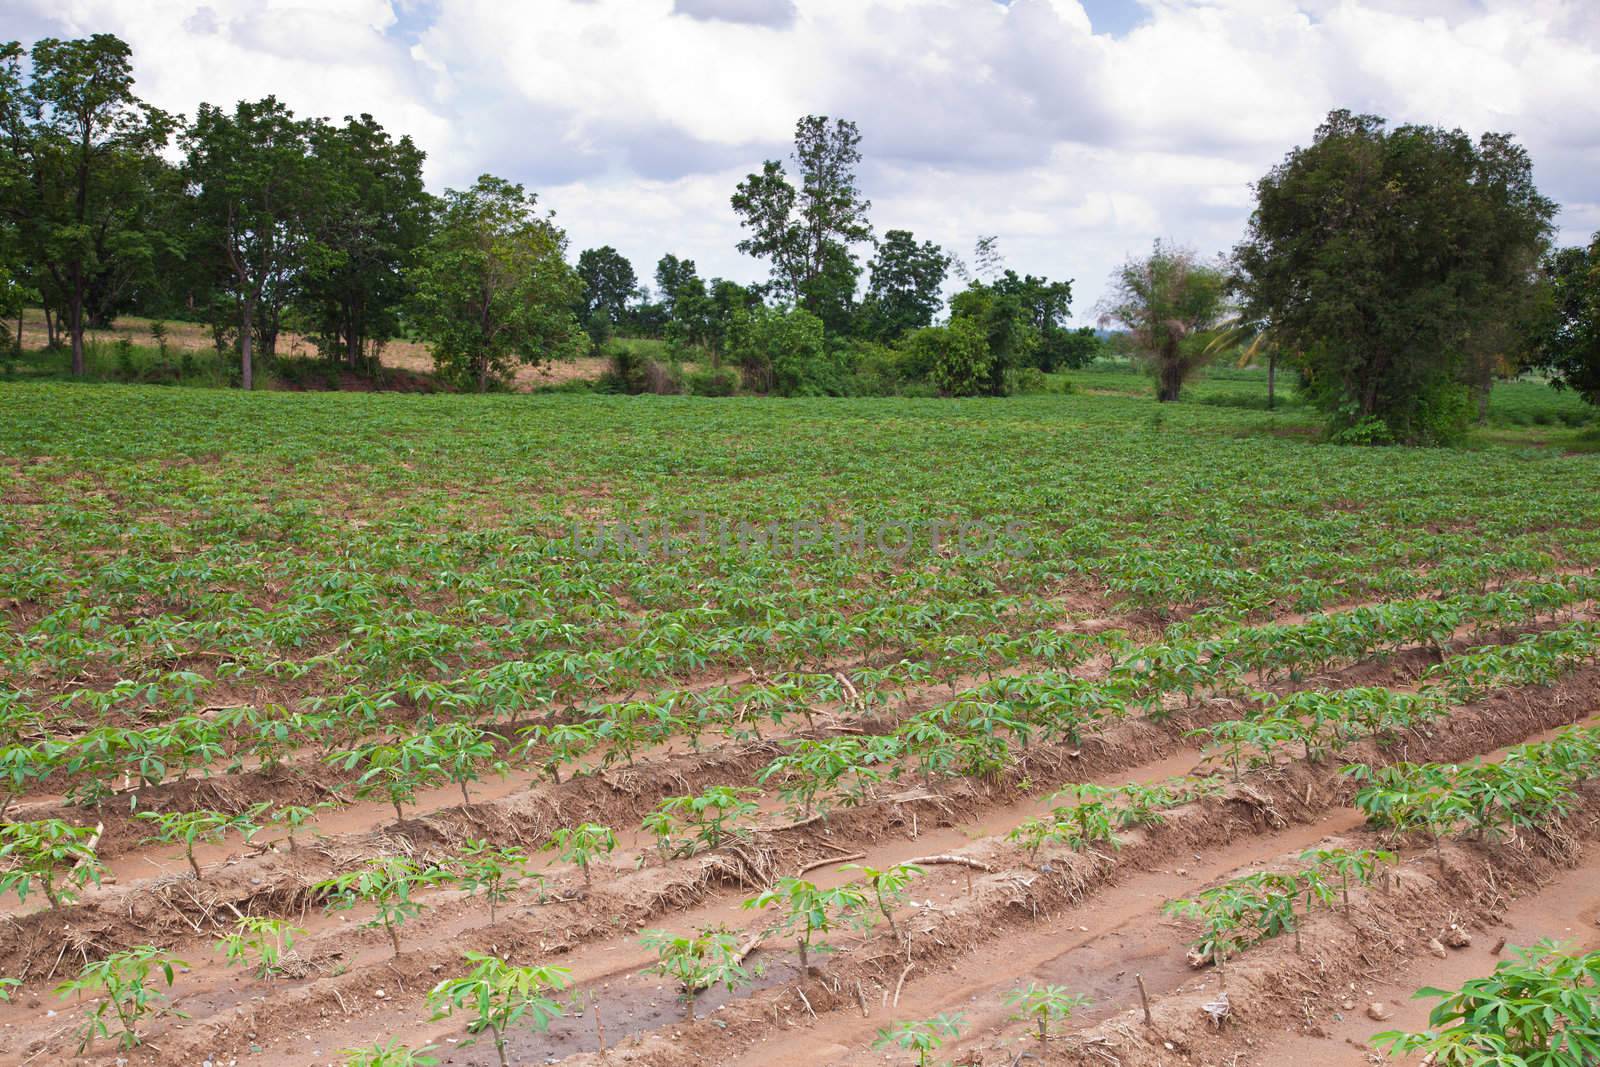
(501, 996)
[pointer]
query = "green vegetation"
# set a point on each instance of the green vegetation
(501, 996)
(388, 885)
(921, 1037)
(710, 957)
(262, 938)
(809, 912)
(1432, 237)
(1044, 1005)
(125, 982)
(1542, 1007)
(56, 855)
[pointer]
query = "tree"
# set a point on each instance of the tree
(257, 190)
(903, 288)
(1568, 338)
(683, 294)
(1007, 327)
(373, 221)
(79, 149)
(608, 283)
(677, 278)
(1391, 263)
(1045, 305)
(806, 233)
(492, 286)
(1075, 349)
(1173, 307)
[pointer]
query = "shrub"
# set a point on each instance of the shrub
(784, 352)
(955, 358)
(713, 381)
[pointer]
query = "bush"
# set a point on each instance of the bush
(876, 369)
(784, 352)
(713, 381)
(1027, 380)
(955, 358)
(663, 379)
(634, 370)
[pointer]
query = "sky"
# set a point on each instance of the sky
(1077, 131)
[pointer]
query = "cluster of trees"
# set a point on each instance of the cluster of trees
(812, 327)
(1398, 271)
(258, 222)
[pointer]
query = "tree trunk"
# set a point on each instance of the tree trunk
(1272, 381)
(246, 343)
(1171, 382)
(483, 375)
(49, 328)
(75, 332)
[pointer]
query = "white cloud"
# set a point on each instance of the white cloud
(635, 118)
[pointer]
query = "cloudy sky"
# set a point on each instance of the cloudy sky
(1075, 130)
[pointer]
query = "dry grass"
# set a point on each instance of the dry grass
(402, 355)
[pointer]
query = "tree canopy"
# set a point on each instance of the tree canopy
(76, 149)
(1382, 257)
(1568, 337)
(806, 233)
(1173, 306)
(492, 287)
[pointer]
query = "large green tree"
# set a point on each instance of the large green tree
(1390, 262)
(806, 233)
(1175, 309)
(1006, 324)
(259, 191)
(1047, 306)
(903, 287)
(1568, 338)
(374, 217)
(76, 164)
(688, 305)
(492, 285)
(609, 283)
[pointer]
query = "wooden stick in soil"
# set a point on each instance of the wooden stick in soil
(964, 861)
(900, 983)
(1144, 999)
(599, 1024)
(829, 861)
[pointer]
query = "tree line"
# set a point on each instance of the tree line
(1397, 272)
(255, 221)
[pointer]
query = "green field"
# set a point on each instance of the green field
(1219, 497)
(685, 645)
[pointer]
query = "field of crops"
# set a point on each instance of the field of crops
(677, 731)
